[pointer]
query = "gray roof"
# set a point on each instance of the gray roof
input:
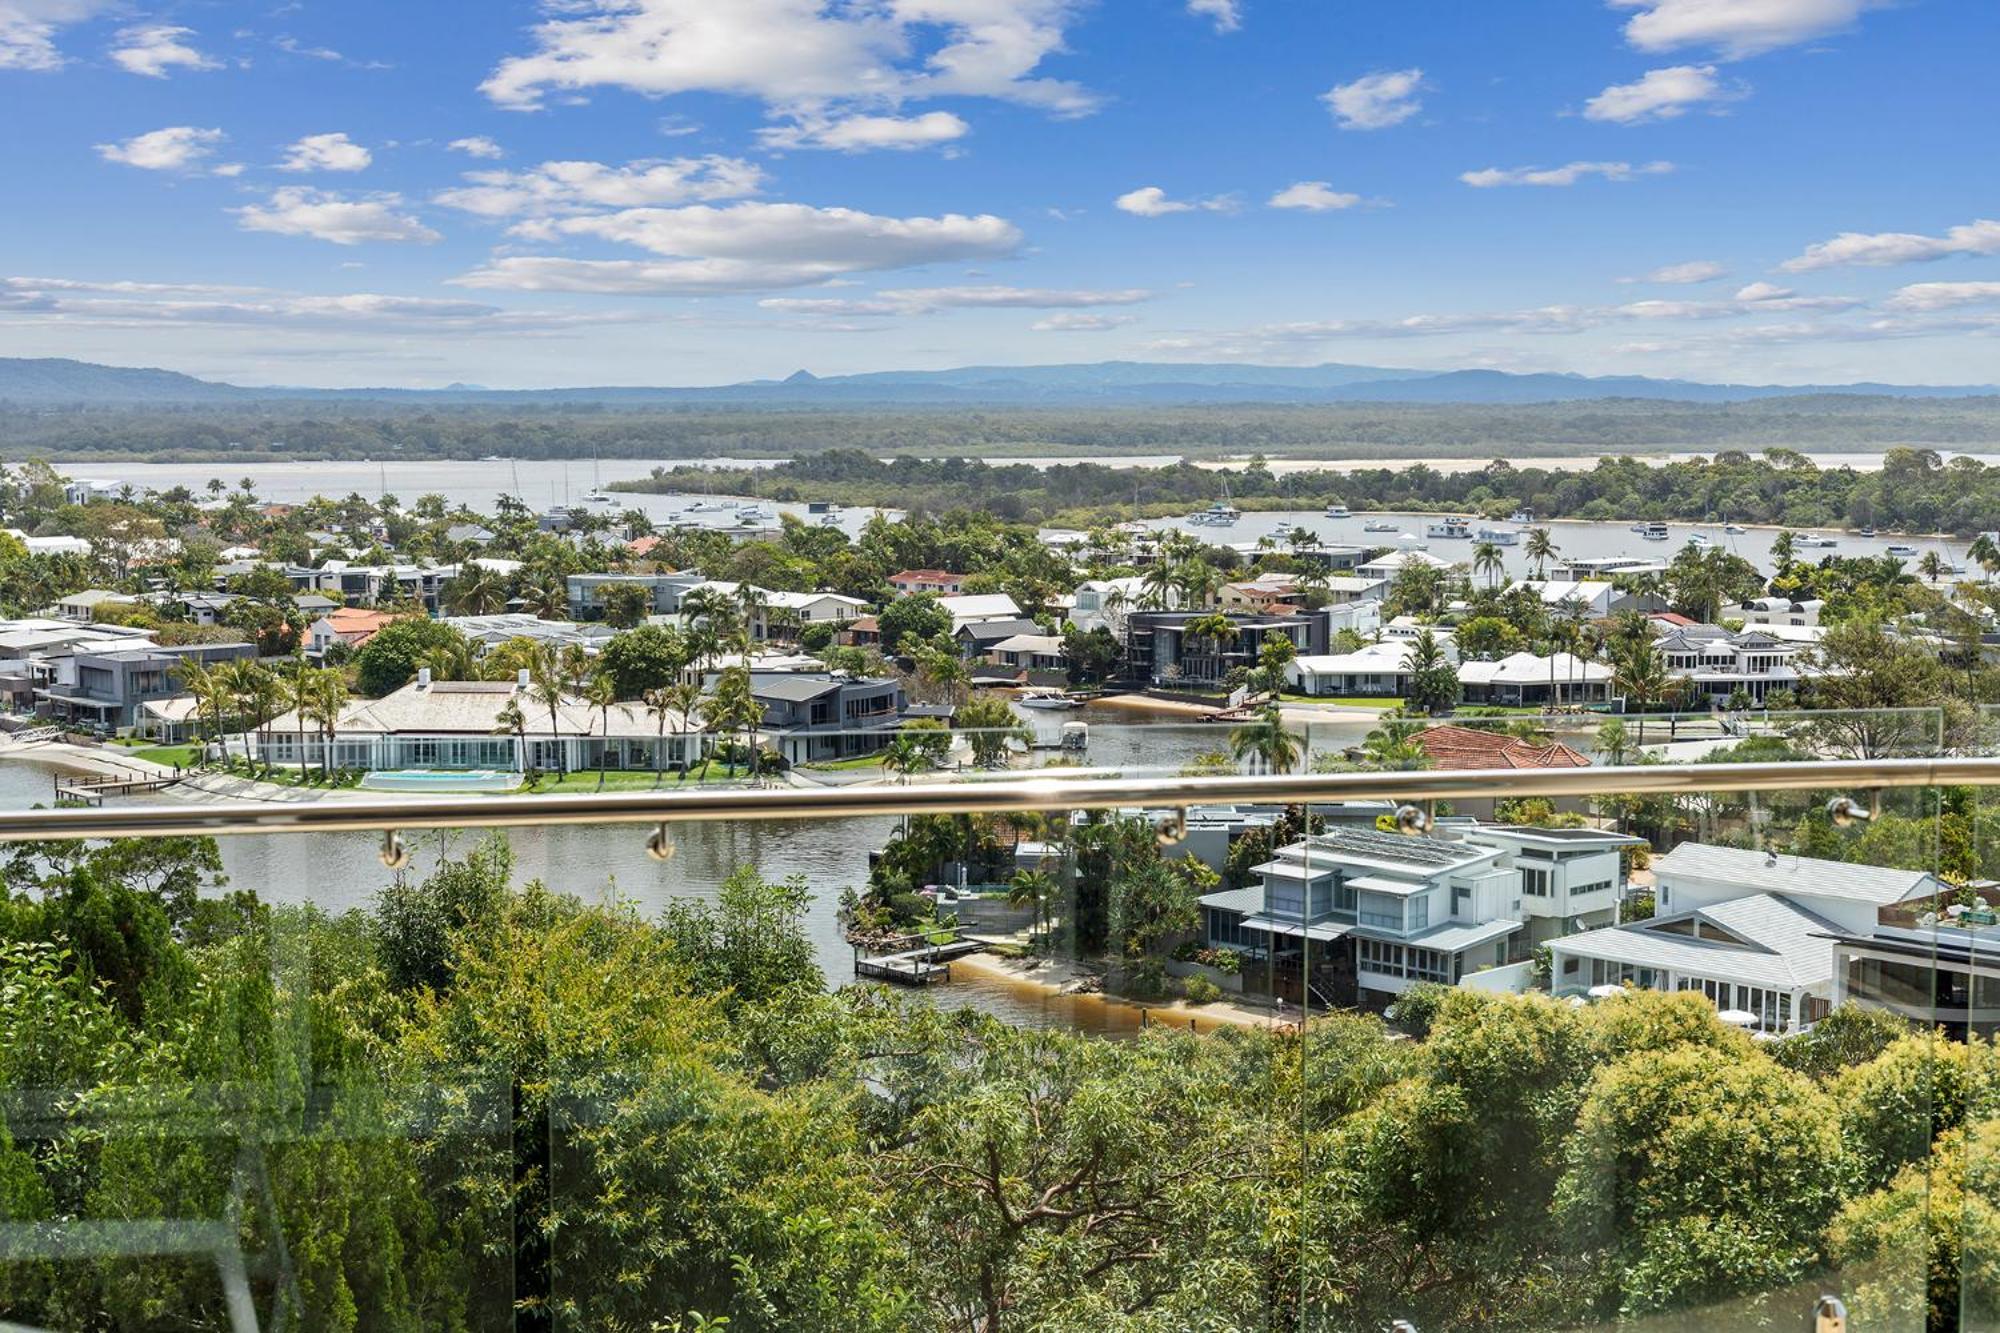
(1752, 870)
(1450, 938)
(1245, 901)
(1783, 944)
(792, 689)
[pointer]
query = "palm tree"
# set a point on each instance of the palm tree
(511, 721)
(1267, 741)
(329, 699)
(1157, 584)
(1783, 548)
(206, 688)
(1034, 889)
(545, 593)
(1214, 630)
(1486, 559)
(263, 695)
(1985, 552)
(299, 685)
(1642, 677)
(1541, 549)
(600, 692)
(478, 591)
(545, 686)
(733, 707)
(1395, 744)
(1931, 567)
(676, 703)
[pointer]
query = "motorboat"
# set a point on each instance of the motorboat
(1699, 539)
(1521, 516)
(708, 507)
(1902, 551)
(1378, 525)
(1864, 532)
(829, 520)
(1733, 529)
(1046, 697)
(1337, 511)
(1449, 529)
(1654, 532)
(1815, 541)
(1218, 515)
(1499, 536)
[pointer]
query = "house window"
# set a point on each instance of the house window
(1535, 882)
(1420, 911)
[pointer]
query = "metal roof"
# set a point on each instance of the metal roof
(1782, 944)
(1756, 871)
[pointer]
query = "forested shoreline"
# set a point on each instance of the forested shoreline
(314, 430)
(1914, 491)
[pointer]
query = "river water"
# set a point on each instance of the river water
(338, 871)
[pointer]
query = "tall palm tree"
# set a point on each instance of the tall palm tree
(1642, 677)
(1985, 552)
(1266, 740)
(1214, 630)
(1486, 560)
(600, 692)
(478, 591)
(545, 687)
(329, 699)
(1035, 890)
(671, 703)
(733, 707)
(545, 593)
(206, 688)
(1157, 584)
(1931, 566)
(299, 684)
(1541, 549)
(511, 721)
(263, 695)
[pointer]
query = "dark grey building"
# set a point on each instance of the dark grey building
(106, 689)
(1160, 651)
(811, 718)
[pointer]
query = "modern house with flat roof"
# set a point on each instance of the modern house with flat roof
(1160, 651)
(1945, 975)
(586, 591)
(106, 688)
(818, 717)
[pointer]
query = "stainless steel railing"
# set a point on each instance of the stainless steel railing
(1075, 789)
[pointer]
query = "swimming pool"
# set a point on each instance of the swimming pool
(445, 780)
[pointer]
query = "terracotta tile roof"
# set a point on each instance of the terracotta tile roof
(1464, 747)
(642, 545)
(925, 576)
(358, 624)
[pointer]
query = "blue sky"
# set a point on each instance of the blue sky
(699, 191)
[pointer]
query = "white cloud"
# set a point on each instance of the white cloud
(28, 30)
(477, 145)
(1879, 249)
(133, 304)
(797, 53)
(1073, 323)
(1737, 28)
(930, 300)
(1150, 201)
(153, 49)
(567, 187)
(1376, 101)
(1693, 271)
(298, 211)
(1563, 175)
(859, 134)
(176, 148)
(1314, 197)
(1227, 15)
(1661, 94)
(744, 247)
(326, 152)
(1944, 295)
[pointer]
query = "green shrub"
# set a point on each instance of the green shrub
(1200, 990)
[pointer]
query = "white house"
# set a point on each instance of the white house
(1717, 664)
(1750, 930)
(1033, 652)
(1594, 595)
(1524, 679)
(81, 607)
(1375, 670)
(971, 609)
(1386, 567)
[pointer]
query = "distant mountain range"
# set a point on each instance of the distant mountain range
(64, 383)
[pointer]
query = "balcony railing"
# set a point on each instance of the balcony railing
(434, 1095)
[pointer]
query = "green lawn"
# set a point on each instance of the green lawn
(174, 756)
(1337, 701)
(845, 765)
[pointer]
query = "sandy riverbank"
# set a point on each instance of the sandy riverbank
(1060, 976)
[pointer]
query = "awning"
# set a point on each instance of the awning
(1318, 930)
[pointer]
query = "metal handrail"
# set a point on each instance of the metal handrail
(1074, 789)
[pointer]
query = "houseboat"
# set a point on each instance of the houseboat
(1522, 515)
(1449, 529)
(1337, 511)
(1902, 551)
(1654, 532)
(1378, 525)
(1499, 536)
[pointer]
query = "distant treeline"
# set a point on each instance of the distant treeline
(1915, 491)
(320, 430)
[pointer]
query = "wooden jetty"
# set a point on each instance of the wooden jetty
(918, 966)
(93, 790)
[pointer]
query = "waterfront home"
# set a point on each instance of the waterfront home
(463, 725)
(1751, 930)
(771, 608)
(1159, 650)
(1764, 611)
(1373, 671)
(1525, 680)
(34, 653)
(1595, 568)
(106, 687)
(349, 625)
(909, 582)
(1386, 567)
(1572, 879)
(817, 717)
(1361, 915)
(663, 591)
(1029, 652)
(1717, 665)
(978, 638)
